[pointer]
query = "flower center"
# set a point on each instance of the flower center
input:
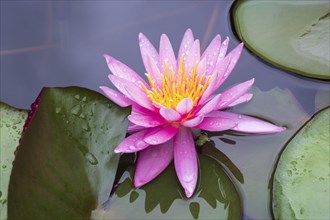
(174, 88)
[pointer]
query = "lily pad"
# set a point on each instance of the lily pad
(163, 198)
(302, 177)
(293, 35)
(65, 165)
(11, 127)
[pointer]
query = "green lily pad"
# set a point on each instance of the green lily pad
(302, 177)
(293, 35)
(11, 126)
(163, 198)
(65, 165)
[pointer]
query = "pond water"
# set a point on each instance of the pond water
(48, 43)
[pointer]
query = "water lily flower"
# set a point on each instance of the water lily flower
(178, 98)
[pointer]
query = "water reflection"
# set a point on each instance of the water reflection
(210, 150)
(215, 196)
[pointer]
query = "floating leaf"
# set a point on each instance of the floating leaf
(65, 165)
(163, 198)
(11, 126)
(302, 177)
(293, 35)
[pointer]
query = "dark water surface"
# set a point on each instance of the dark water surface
(49, 43)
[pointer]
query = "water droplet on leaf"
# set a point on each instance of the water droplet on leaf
(91, 158)
(76, 110)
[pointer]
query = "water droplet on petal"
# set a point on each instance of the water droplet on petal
(140, 144)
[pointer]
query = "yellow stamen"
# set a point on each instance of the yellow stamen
(174, 88)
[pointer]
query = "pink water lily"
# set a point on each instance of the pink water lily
(178, 97)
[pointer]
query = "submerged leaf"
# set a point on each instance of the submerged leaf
(65, 159)
(11, 127)
(302, 177)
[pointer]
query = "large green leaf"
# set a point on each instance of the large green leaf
(293, 35)
(11, 126)
(302, 177)
(163, 198)
(256, 155)
(65, 165)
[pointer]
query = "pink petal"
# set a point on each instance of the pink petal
(211, 54)
(132, 143)
(121, 70)
(170, 114)
(216, 78)
(201, 68)
(166, 54)
(193, 122)
(211, 105)
(223, 49)
(185, 160)
(154, 73)
(138, 95)
(146, 120)
(160, 135)
(147, 49)
(192, 56)
(151, 162)
(185, 106)
(132, 128)
(116, 97)
(210, 89)
(222, 68)
(244, 98)
(216, 124)
(141, 110)
(248, 124)
(187, 41)
(231, 95)
(234, 56)
(133, 92)
(120, 84)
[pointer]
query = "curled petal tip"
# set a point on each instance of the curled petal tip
(117, 151)
(107, 58)
(137, 183)
(163, 36)
(141, 36)
(251, 81)
(189, 192)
